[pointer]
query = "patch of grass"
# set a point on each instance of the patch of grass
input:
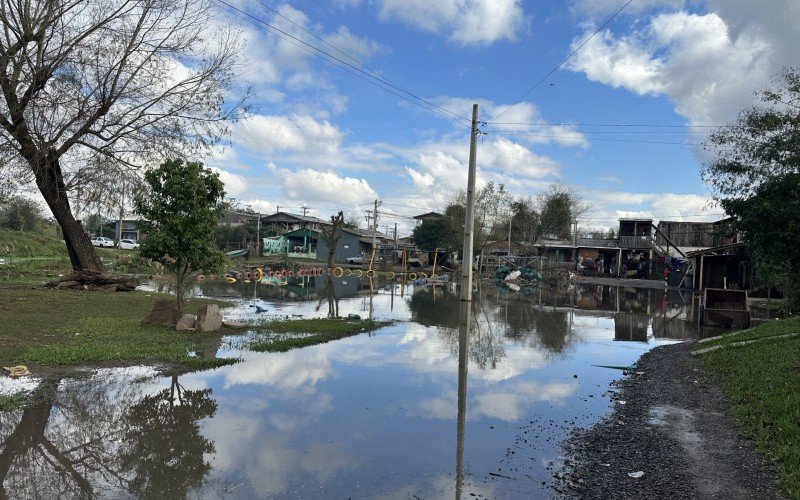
(762, 381)
(12, 402)
(769, 329)
(315, 331)
(57, 328)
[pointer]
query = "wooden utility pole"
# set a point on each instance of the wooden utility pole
(258, 236)
(374, 235)
(304, 209)
(469, 224)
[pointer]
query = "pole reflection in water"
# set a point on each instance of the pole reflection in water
(463, 361)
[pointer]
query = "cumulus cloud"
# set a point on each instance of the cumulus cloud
(308, 184)
(708, 64)
(298, 133)
(465, 22)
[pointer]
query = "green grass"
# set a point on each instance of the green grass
(313, 332)
(762, 382)
(770, 329)
(12, 402)
(51, 329)
(43, 242)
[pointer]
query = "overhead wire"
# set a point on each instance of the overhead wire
(574, 51)
(378, 81)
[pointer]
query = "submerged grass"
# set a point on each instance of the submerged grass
(762, 382)
(12, 402)
(313, 331)
(46, 329)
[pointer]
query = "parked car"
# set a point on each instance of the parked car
(359, 259)
(128, 244)
(102, 241)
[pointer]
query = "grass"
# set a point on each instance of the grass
(770, 329)
(48, 330)
(762, 382)
(12, 402)
(314, 331)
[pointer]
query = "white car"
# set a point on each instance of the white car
(356, 260)
(101, 241)
(128, 244)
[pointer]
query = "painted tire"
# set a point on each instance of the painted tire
(371, 273)
(423, 275)
(247, 276)
(338, 272)
(412, 276)
(391, 275)
(258, 274)
(227, 276)
(348, 272)
(283, 273)
(359, 273)
(200, 278)
(230, 279)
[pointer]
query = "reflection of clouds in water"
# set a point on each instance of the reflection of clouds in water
(268, 456)
(290, 370)
(508, 404)
(440, 486)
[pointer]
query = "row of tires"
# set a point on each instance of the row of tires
(258, 274)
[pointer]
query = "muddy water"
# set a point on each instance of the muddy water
(433, 406)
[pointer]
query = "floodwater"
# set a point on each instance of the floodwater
(433, 406)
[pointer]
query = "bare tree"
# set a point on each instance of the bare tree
(94, 90)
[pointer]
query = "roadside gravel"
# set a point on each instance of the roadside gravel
(675, 429)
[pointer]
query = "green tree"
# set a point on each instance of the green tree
(775, 245)
(182, 209)
(762, 144)
(432, 234)
(20, 213)
(755, 177)
(559, 209)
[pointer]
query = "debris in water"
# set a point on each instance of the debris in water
(636, 475)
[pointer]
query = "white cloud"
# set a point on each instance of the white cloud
(298, 133)
(308, 184)
(465, 22)
(708, 64)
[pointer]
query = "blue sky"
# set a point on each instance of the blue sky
(318, 136)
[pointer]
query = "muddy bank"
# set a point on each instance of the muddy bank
(674, 428)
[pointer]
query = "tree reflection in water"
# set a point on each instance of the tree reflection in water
(329, 294)
(89, 439)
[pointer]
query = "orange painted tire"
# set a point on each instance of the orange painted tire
(283, 273)
(227, 275)
(200, 278)
(269, 273)
(259, 274)
(320, 271)
(247, 276)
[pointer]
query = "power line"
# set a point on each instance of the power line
(579, 137)
(575, 51)
(378, 81)
(618, 125)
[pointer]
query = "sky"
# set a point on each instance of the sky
(320, 136)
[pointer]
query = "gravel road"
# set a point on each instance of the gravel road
(675, 430)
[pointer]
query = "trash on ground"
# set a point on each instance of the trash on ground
(636, 475)
(17, 371)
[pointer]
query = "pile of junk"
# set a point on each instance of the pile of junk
(517, 278)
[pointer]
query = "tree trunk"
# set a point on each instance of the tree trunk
(50, 181)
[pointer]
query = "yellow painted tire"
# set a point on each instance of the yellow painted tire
(412, 276)
(230, 279)
(258, 274)
(423, 275)
(391, 275)
(371, 273)
(359, 273)
(338, 272)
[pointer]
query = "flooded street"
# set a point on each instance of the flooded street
(370, 416)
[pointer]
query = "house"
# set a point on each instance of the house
(501, 247)
(130, 229)
(382, 240)
(427, 216)
(308, 244)
(283, 222)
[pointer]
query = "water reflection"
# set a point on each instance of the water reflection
(369, 417)
(106, 438)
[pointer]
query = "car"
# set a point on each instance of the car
(359, 259)
(128, 244)
(101, 241)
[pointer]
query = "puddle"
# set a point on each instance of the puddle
(409, 410)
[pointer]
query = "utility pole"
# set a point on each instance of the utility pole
(258, 236)
(374, 234)
(278, 208)
(305, 209)
(469, 224)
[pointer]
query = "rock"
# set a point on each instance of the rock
(165, 313)
(234, 324)
(209, 319)
(110, 288)
(185, 324)
(66, 284)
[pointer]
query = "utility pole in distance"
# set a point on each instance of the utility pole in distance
(258, 236)
(304, 209)
(469, 224)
